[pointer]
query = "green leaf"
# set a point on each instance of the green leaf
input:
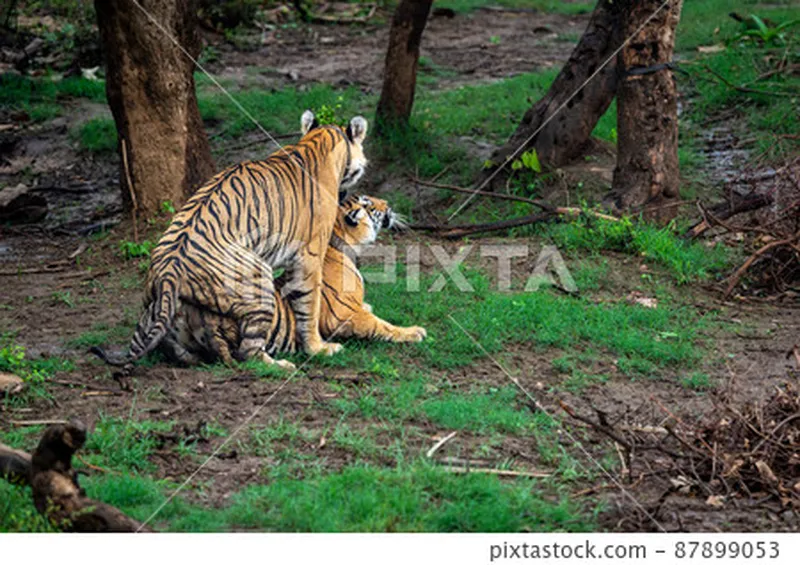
(760, 23)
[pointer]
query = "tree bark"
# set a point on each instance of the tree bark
(402, 56)
(151, 92)
(647, 174)
(564, 137)
(56, 492)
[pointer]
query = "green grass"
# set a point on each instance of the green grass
(546, 6)
(278, 111)
(707, 22)
(102, 334)
(41, 98)
(488, 111)
(768, 118)
(34, 372)
(643, 340)
(685, 261)
(364, 498)
(124, 444)
(97, 135)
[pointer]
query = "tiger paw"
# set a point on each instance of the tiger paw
(284, 364)
(328, 348)
(414, 333)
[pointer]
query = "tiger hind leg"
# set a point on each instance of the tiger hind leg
(239, 286)
(303, 293)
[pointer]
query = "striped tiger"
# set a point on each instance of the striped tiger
(220, 250)
(200, 335)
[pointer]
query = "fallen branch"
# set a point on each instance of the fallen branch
(439, 444)
(744, 89)
(56, 493)
(498, 472)
(543, 204)
(455, 232)
(726, 210)
(734, 279)
(24, 423)
(319, 17)
(15, 465)
(131, 192)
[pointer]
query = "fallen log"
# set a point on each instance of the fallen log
(56, 493)
(727, 210)
(15, 465)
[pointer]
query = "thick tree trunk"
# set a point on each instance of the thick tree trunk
(647, 175)
(150, 88)
(560, 139)
(56, 493)
(400, 73)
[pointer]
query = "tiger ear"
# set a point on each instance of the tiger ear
(357, 130)
(308, 121)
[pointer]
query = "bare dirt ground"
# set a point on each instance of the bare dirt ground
(83, 197)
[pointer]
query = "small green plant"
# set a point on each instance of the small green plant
(98, 135)
(132, 250)
(528, 160)
(35, 372)
(331, 115)
(698, 382)
(167, 207)
(759, 31)
(64, 297)
(494, 40)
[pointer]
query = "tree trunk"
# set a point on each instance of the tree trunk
(150, 88)
(560, 139)
(647, 175)
(56, 492)
(400, 72)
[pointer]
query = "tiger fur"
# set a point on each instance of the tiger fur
(220, 250)
(205, 336)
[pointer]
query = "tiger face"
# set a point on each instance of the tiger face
(363, 218)
(355, 132)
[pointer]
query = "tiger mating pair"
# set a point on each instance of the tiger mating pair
(210, 292)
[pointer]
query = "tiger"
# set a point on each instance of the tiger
(220, 250)
(203, 336)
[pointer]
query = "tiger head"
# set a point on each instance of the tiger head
(355, 132)
(362, 217)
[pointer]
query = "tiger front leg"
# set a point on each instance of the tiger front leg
(303, 292)
(366, 325)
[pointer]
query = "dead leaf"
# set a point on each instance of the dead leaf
(766, 473)
(322, 442)
(10, 384)
(711, 48)
(636, 297)
(716, 500)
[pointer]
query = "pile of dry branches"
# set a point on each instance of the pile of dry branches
(755, 449)
(770, 227)
(738, 451)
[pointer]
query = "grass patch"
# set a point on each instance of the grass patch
(124, 444)
(102, 334)
(685, 261)
(363, 498)
(35, 372)
(40, 98)
(98, 135)
(490, 111)
(277, 111)
(546, 6)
